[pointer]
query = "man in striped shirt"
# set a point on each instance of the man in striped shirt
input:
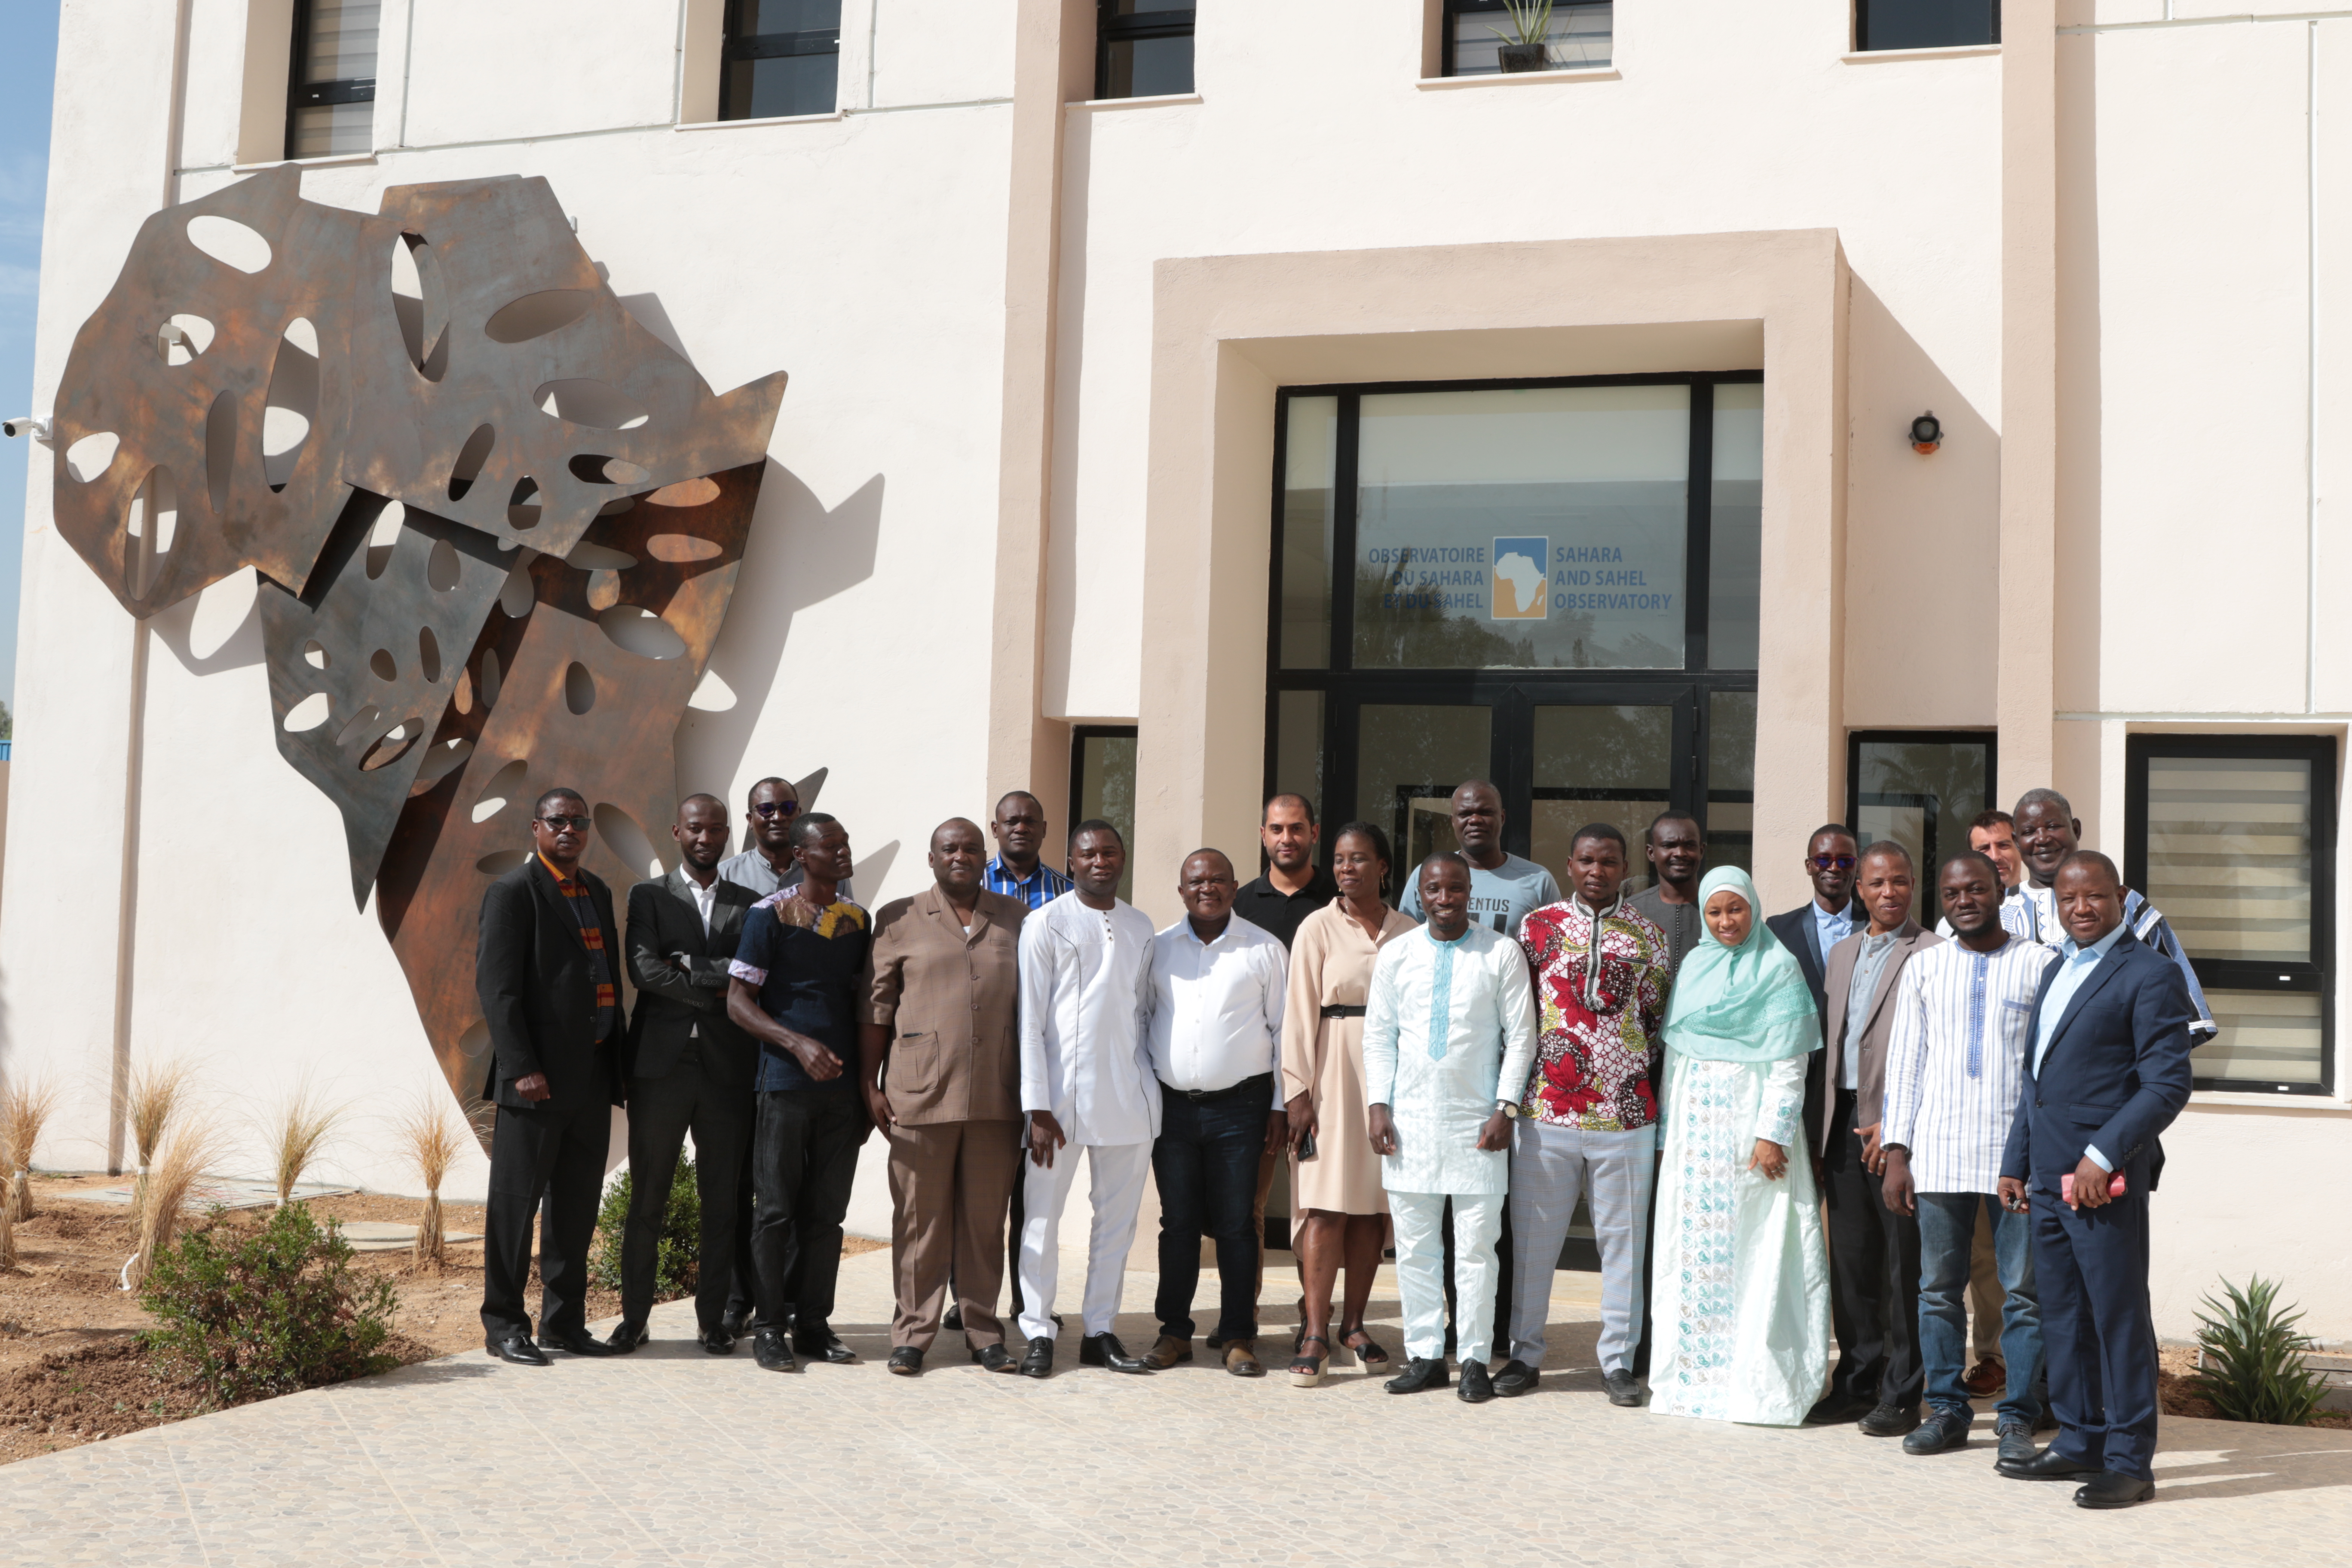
(1019, 828)
(1955, 1066)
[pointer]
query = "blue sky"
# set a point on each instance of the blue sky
(28, 68)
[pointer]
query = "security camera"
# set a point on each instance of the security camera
(26, 425)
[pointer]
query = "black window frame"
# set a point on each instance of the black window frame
(1938, 835)
(1863, 45)
(1455, 9)
(740, 46)
(1080, 735)
(301, 95)
(1111, 28)
(1507, 689)
(2317, 977)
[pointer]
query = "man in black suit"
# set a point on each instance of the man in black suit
(1833, 861)
(689, 1069)
(2106, 1072)
(545, 971)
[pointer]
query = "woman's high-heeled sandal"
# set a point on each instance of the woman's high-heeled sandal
(1367, 1353)
(1306, 1369)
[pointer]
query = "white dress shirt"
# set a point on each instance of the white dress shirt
(1449, 1029)
(2075, 968)
(1085, 993)
(706, 901)
(1216, 1006)
(1956, 1059)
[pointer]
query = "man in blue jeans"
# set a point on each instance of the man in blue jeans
(1215, 1039)
(1955, 1067)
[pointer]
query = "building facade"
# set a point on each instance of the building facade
(1798, 412)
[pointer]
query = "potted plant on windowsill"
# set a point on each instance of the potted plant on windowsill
(1525, 47)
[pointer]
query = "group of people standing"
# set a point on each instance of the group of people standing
(1820, 1125)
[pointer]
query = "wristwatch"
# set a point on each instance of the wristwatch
(1509, 1108)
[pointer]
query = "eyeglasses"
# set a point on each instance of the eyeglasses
(1832, 862)
(576, 824)
(778, 808)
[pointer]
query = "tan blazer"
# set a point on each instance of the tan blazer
(954, 1002)
(1870, 1036)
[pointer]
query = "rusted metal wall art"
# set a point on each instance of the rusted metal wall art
(495, 521)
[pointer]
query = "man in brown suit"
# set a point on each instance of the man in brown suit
(940, 1038)
(1873, 1251)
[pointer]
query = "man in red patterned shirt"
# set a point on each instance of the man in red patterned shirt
(1589, 1122)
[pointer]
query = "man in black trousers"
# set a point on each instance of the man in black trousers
(689, 1069)
(546, 970)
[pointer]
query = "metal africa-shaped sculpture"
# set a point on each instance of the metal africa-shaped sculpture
(497, 522)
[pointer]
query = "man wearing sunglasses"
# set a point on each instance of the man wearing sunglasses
(766, 865)
(546, 970)
(1812, 929)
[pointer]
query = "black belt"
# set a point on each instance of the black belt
(1336, 1012)
(1259, 1086)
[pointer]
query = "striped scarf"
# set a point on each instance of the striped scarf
(592, 932)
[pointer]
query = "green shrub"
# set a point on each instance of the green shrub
(677, 1249)
(2254, 1367)
(246, 1317)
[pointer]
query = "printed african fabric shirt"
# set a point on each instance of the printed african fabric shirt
(810, 966)
(1593, 1063)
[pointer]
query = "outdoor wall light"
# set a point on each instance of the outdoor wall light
(1926, 433)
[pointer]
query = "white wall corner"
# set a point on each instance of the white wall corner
(703, 41)
(268, 67)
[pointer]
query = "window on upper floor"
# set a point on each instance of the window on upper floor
(2232, 839)
(782, 58)
(330, 94)
(1143, 48)
(1925, 23)
(1537, 35)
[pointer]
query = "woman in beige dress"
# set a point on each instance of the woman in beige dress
(1336, 1195)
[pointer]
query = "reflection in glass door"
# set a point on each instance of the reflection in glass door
(1408, 759)
(1600, 763)
(1921, 789)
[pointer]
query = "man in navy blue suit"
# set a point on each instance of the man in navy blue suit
(2107, 1071)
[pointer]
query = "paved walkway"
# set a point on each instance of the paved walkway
(671, 1457)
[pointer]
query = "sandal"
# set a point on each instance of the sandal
(1306, 1369)
(1368, 1353)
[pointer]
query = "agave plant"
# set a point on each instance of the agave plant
(2253, 1368)
(1530, 21)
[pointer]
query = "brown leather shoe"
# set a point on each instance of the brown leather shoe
(1241, 1358)
(1166, 1352)
(1987, 1378)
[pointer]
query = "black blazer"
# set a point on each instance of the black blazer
(537, 989)
(672, 1002)
(1800, 935)
(2116, 1075)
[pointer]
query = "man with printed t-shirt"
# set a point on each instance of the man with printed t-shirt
(1504, 889)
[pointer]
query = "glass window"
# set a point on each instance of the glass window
(784, 57)
(1143, 48)
(1527, 528)
(1310, 451)
(1731, 780)
(1599, 764)
(1299, 747)
(2231, 840)
(1921, 789)
(1925, 23)
(330, 103)
(1409, 760)
(1735, 572)
(1102, 764)
(1577, 38)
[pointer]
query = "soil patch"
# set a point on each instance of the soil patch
(2178, 1364)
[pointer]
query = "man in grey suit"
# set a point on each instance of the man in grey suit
(1873, 1251)
(688, 1070)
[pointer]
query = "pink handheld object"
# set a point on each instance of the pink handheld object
(2066, 1186)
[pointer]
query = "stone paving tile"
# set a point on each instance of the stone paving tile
(674, 1458)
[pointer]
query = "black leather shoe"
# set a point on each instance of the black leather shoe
(2113, 1488)
(1516, 1378)
(905, 1361)
(516, 1348)
(1623, 1391)
(2049, 1465)
(1038, 1362)
(953, 1322)
(735, 1323)
(1104, 1351)
(625, 1337)
(581, 1343)
(2016, 1442)
(773, 1351)
(821, 1343)
(1835, 1408)
(717, 1341)
(1889, 1421)
(1476, 1386)
(1941, 1432)
(995, 1358)
(1420, 1373)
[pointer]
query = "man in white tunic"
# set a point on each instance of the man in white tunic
(1085, 1083)
(1449, 1040)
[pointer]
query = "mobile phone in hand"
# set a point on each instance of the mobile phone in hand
(1307, 1145)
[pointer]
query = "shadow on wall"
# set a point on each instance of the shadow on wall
(216, 630)
(798, 555)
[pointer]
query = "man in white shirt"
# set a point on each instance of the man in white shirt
(1955, 1066)
(1085, 1083)
(1449, 1041)
(1217, 989)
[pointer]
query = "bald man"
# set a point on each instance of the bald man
(1215, 1035)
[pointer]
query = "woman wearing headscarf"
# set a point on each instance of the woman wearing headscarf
(1742, 1276)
